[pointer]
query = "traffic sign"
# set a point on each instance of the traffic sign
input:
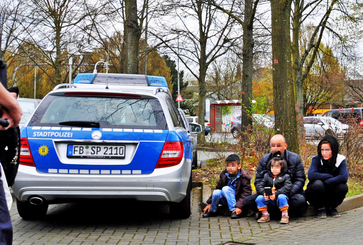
(179, 98)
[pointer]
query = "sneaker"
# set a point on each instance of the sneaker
(234, 215)
(258, 215)
(264, 218)
(284, 219)
(333, 212)
(209, 214)
(321, 213)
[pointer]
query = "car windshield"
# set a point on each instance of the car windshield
(115, 112)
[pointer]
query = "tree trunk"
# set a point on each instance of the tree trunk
(297, 76)
(202, 72)
(247, 69)
(58, 54)
(283, 87)
(132, 35)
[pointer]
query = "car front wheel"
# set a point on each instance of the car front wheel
(31, 212)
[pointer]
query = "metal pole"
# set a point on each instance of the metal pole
(35, 82)
(14, 74)
(178, 74)
(70, 69)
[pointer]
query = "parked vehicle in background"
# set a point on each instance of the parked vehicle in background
(347, 115)
(267, 120)
(28, 106)
(318, 127)
(193, 130)
(106, 136)
(194, 119)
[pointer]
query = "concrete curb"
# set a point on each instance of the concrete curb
(349, 203)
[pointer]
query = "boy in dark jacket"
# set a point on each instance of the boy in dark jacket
(279, 181)
(232, 188)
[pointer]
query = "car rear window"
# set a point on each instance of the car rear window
(109, 112)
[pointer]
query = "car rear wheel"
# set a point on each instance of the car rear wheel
(31, 212)
(181, 210)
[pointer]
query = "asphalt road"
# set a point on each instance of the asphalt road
(120, 222)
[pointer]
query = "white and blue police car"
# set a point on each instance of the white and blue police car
(105, 136)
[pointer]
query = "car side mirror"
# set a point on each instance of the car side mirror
(195, 128)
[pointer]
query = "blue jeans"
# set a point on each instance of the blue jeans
(226, 196)
(281, 201)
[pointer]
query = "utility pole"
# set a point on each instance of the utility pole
(146, 26)
(70, 69)
(35, 82)
(178, 74)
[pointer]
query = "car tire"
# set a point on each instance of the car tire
(181, 210)
(195, 160)
(31, 212)
(235, 133)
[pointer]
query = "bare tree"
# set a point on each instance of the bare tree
(325, 83)
(48, 26)
(203, 36)
(10, 30)
(118, 27)
(224, 79)
(250, 7)
(304, 55)
(355, 89)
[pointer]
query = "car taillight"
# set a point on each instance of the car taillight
(26, 157)
(171, 155)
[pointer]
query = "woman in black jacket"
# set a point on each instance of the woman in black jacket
(328, 177)
(279, 181)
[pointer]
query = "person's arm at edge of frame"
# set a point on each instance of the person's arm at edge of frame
(298, 180)
(245, 184)
(342, 177)
(314, 174)
(11, 109)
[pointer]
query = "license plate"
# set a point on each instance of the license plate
(96, 151)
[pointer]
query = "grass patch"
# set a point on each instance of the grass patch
(354, 187)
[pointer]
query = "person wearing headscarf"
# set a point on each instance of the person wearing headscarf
(328, 177)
